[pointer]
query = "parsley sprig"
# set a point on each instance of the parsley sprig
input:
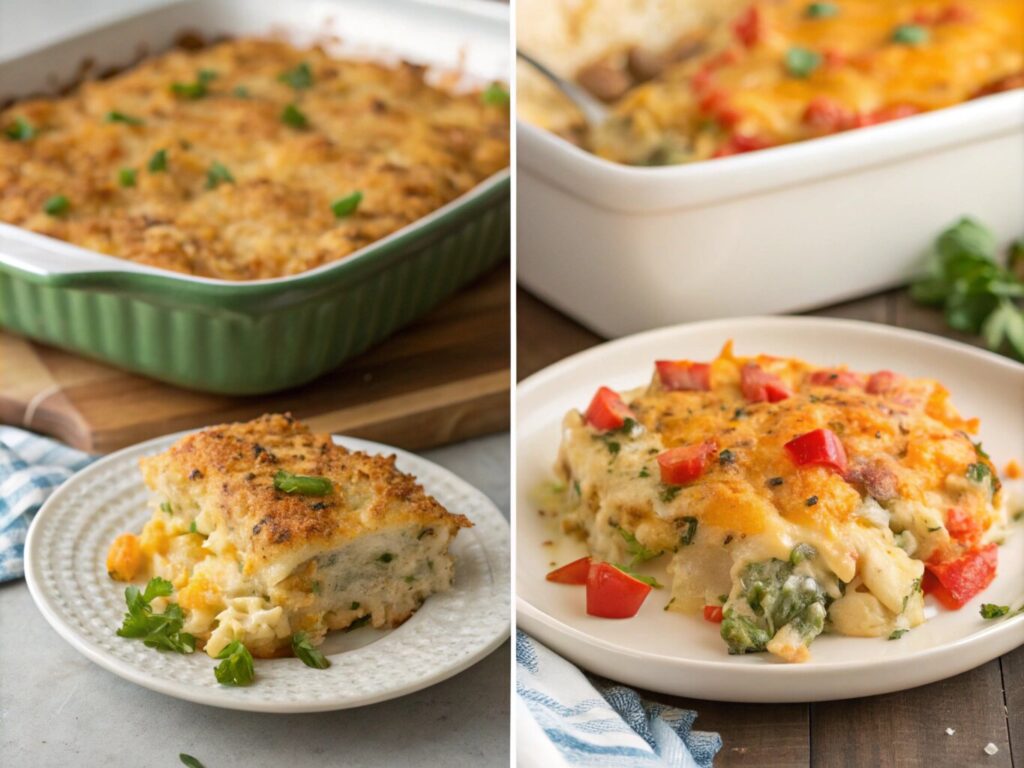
(156, 630)
(307, 485)
(638, 553)
(309, 655)
(977, 293)
(235, 667)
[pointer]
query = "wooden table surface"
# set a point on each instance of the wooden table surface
(899, 729)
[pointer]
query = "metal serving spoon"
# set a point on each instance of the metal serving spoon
(593, 111)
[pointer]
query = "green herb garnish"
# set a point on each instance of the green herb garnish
(20, 130)
(977, 473)
(158, 162)
(236, 665)
(165, 506)
(495, 94)
(362, 621)
(291, 115)
(387, 557)
(315, 587)
(217, 175)
(192, 527)
(57, 205)
(910, 34)
(197, 89)
(691, 529)
(669, 492)
(346, 206)
(821, 10)
(644, 472)
(126, 177)
(309, 655)
(354, 606)
(896, 634)
(648, 580)
(298, 78)
(156, 630)
(190, 761)
(993, 611)
(302, 484)
(801, 62)
(726, 457)
(637, 551)
(121, 117)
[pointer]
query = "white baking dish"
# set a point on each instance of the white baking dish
(624, 249)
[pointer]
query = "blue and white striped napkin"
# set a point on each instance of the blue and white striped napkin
(31, 468)
(567, 718)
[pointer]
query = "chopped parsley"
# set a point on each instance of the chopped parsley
(669, 492)
(648, 580)
(195, 90)
(156, 630)
(691, 529)
(192, 527)
(126, 177)
(306, 485)
(387, 557)
(165, 506)
(495, 95)
(644, 472)
(20, 130)
(299, 78)
(354, 606)
(190, 761)
(726, 457)
(346, 206)
(217, 175)
(993, 611)
(977, 473)
(637, 551)
(362, 621)
(235, 667)
(309, 655)
(897, 634)
(57, 205)
(158, 162)
(910, 34)
(980, 451)
(315, 587)
(121, 117)
(821, 10)
(739, 413)
(801, 62)
(292, 115)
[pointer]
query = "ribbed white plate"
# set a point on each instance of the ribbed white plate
(65, 568)
(684, 655)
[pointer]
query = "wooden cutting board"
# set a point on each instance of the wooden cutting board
(444, 378)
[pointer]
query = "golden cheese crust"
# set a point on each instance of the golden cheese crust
(407, 146)
(228, 471)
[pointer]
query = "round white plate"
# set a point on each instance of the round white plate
(65, 568)
(684, 655)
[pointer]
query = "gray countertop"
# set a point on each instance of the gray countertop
(58, 709)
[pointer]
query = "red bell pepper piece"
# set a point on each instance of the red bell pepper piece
(883, 381)
(962, 526)
(759, 386)
(572, 573)
(837, 379)
(613, 594)
(686, 463)
(824, 115)
(954, 582)
(821, 447)
(713, 613)
(607, 410)
(747, 26)
(681, 375)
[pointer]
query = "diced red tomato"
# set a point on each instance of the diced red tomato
(820, 447)
(824, 115)
(715, 104)
(686, 463)
(886, 114)
(747, 26)
(613, 594)
(607, 410)
(837, 379)
(713, 613)
(682, 375)
(962, 526)
(737, 144)
(572, 573)
(759, 386)
(954, 582)
(883, 381)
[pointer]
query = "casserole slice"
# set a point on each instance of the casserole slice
(266, 529)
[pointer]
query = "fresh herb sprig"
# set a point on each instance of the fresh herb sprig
(976, 292)
(156, 630)
(309, 655)
(235, 667)
(305, 485)
(993, 611)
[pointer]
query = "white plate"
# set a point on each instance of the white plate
(684, 655)
(65, 568)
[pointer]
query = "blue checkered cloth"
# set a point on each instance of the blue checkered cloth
(31, 468)
(566, 718)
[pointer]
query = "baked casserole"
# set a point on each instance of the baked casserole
(785, 499)
(743, 76)
(245, 160)
(266, 530)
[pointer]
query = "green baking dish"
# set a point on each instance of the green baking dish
(253, 338)
(247, 338)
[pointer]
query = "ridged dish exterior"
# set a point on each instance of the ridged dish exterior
(246, 340)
